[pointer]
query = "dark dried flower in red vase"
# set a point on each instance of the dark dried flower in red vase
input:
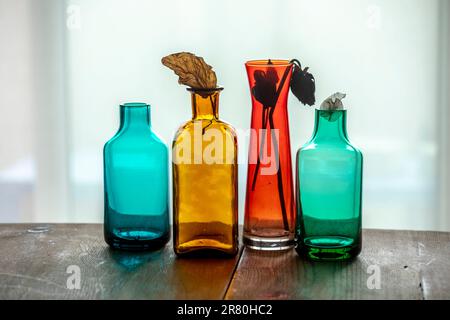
(265, 87)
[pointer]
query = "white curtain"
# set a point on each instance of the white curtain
(73, 63)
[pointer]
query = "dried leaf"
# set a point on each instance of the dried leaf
(192, 71)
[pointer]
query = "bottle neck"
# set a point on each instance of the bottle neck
(205, 104)
(135, 115)
(330, 125)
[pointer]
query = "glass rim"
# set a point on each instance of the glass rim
(134, 105)
(205, 90)
(329, 110)
(265, 63)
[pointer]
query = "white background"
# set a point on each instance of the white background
(65, 66)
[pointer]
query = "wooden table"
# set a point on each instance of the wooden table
(35, 260)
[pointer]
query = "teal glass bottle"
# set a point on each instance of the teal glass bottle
(329, 184)
(136, 186)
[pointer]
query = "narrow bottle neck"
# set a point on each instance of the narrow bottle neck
(135, 116)
(330, 125)
(205, 104)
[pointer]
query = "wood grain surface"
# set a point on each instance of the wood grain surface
(34, 261)
(411, 264)
(35, 257)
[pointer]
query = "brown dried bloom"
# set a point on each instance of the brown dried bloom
(192, 71)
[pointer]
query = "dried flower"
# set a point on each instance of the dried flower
(333, 102)
(303, 84)
(330, 105)
(265, 88)
(193, 71)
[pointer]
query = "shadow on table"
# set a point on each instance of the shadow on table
(133, 260)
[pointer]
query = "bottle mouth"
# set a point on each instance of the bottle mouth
(330, 110)
(265, 63)
(204, 90)
(135, 105)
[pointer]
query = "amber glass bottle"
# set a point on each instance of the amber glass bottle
(205, 200)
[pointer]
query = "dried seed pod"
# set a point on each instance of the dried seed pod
(333, 102)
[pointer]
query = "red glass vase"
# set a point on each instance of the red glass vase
(270, 205)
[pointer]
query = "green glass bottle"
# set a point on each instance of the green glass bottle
(136, 183)
(329, 184)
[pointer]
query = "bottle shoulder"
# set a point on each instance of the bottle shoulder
(111, 142)
(336, 146)
(228, 128)
(124, 139)
(204, 125)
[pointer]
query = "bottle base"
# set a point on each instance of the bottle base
(330, 248)
(268, 243)
(205, 253)
(206, 248)
(136, 239)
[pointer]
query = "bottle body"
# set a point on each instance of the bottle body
(270, 205)
(204, 168)
(136, 183)
(329, 191)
